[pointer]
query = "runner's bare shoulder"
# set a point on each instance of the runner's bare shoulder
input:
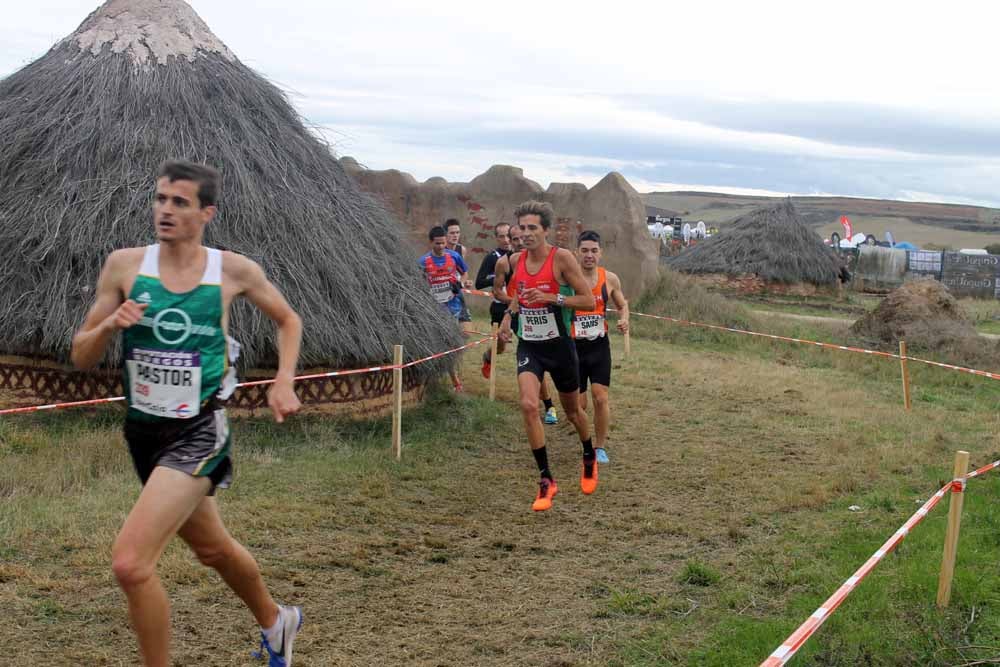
(239, 270)
(123, 263)
(565, 258)
(125, 257)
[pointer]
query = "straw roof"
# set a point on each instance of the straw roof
(770, 242)
(82, 132)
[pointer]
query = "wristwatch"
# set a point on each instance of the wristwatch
(560, 299)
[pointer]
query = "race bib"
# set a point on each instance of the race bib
(538, 324)
(442, 292)
(165, 384)
(590, 327)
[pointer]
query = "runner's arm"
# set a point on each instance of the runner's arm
(621, 303)
(484, 279)
(567, 265)
(463, 269)
(262, 293)
(108, 314)
(500, 271)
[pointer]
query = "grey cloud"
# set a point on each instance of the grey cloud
(839, 123)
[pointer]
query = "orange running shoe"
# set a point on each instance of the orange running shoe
(588, 476)
(486, 368)
(547, 490)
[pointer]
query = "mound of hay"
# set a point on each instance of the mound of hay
(921, 312)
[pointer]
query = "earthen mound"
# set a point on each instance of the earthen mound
(921, 312)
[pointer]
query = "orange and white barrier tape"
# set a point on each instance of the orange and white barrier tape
(829, 346)
(789, 339)
(795, 641)
(314, 376)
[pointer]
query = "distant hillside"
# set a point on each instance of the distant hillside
(954, 225)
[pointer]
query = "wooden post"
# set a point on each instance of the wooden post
(951, 537)
(628, 343)
(906, 375)
(397, 402)
(493, 360)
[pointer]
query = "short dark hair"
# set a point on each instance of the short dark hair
(436, 233)
(542, 209)
(496, 229)
(589, 235)
(208, 178)
(452, 222)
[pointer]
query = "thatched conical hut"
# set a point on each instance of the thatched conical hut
(82, 132)
(767, 249)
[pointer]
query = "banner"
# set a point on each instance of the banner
(846, 223)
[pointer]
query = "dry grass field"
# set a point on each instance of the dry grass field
(721, 524)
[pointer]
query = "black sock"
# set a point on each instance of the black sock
(588, 448)
(542, 459)
(548, 403)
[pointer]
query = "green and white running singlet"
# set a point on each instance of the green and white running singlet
(176, 355)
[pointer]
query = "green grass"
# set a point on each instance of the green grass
(721, 524)
(890, 619)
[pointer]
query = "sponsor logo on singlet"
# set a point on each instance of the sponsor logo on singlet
(172, 326)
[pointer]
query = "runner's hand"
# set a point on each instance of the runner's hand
(505, 334)
(282, 400)
(128, 314)
(623, 326)
(534, 295)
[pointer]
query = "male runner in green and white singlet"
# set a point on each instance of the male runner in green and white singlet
(171, 302)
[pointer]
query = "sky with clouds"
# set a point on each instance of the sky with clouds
(876, 99)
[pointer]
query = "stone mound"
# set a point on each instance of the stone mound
(921, 312)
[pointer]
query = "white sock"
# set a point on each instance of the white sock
(274, 633)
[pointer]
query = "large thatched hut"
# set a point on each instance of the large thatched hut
(769, 249)
(82, 131)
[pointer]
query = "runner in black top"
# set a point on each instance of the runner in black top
(484, 281)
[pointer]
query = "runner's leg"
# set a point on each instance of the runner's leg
(208, 538)
(167, 500)
(529, 386)
(571, 405)
(602, 413)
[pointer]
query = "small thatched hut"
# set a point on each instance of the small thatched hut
(82, 131)
(768, 249)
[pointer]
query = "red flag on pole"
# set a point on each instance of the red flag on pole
(846, 222)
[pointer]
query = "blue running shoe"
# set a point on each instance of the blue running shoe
(291, 619)
(550, 416)
(602, 456)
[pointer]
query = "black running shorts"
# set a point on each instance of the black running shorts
(555, 357)
(198, 446)
(496, 313)
(595, 361)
